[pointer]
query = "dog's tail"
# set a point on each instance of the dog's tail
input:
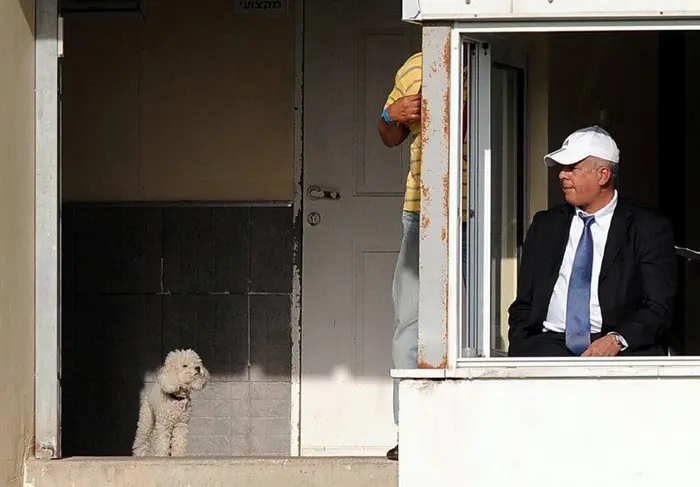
(142, 442)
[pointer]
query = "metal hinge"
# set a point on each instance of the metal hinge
(60, 36)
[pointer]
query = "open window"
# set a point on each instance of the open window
(523, 93)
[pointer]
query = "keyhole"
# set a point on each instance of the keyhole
(313, 218)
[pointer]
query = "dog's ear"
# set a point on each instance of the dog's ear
(168, 379)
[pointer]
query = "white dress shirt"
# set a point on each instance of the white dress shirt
(556, 313)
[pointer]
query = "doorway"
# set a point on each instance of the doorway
(352, 53)
(177, 220)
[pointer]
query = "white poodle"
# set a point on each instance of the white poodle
(166, 406)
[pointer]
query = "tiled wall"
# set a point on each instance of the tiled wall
(139, 281)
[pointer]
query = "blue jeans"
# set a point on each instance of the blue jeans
(404, 349)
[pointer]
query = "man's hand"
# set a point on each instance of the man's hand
(606, 346)
(405, 110)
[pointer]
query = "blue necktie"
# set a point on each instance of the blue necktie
(578, 300)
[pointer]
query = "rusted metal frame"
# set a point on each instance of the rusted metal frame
(440, 228)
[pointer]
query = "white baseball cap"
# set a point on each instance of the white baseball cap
(589, 141)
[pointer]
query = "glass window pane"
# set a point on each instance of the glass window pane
(507, 196)
(478, 140)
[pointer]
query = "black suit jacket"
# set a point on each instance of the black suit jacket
(637, 282)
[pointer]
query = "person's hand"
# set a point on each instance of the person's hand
(405, 110)
(606, 346)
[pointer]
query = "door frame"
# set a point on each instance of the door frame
(298, 226)
(47, 417)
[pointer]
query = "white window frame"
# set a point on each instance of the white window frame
(464, 32)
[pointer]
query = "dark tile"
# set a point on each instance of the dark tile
(67, 290)
(210, 426)
(270, 426)
(67, 334)
(240, 445)
(270, 409)
(222, 410)
(218, 445)
(271, 249)
(240, 404)
(206, 250)
(270, 337)
(215, 326)
(229, 399)
(240, 425)
(118, 250)
(67, 250)
(123, 412)
(86, 426)
(215, 390)
(212, 408)
(266, 391)
(213, 445)
(268, 445)
(111, 338)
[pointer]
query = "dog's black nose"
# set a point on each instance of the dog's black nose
(198, 368)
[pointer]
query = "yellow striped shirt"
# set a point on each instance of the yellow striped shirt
(408, 82)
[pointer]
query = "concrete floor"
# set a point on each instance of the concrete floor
(212, 472)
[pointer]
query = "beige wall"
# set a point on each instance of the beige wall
(16, 237)
(187, 102)
(616, 72)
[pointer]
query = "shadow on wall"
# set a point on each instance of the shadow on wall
(27, 7)
(140, 281)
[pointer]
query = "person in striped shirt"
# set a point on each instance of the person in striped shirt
(401, 120)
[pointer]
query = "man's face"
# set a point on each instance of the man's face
(582, 182)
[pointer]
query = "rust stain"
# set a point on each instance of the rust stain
(446, 54)
(424, 192)
(435, 67)
(422, 364)
(446, 61)
(446, 118)
(446, 193)
(424, 221)
(425, 121)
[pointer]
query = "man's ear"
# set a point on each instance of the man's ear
(168, 379)
(605, 176)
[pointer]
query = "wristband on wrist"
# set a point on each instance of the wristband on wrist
(385, 117)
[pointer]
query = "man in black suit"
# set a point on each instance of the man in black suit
(598, 275)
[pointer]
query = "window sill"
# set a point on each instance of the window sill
(560, 368)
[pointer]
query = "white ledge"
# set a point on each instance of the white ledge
(539, 368)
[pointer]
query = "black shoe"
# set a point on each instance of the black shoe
(393, 454)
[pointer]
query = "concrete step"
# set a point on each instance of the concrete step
(212, 472)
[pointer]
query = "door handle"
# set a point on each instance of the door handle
(315, 193)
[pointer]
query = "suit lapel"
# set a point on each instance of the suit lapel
(559, 239)
(616, 237)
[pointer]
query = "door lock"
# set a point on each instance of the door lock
(314, 218)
